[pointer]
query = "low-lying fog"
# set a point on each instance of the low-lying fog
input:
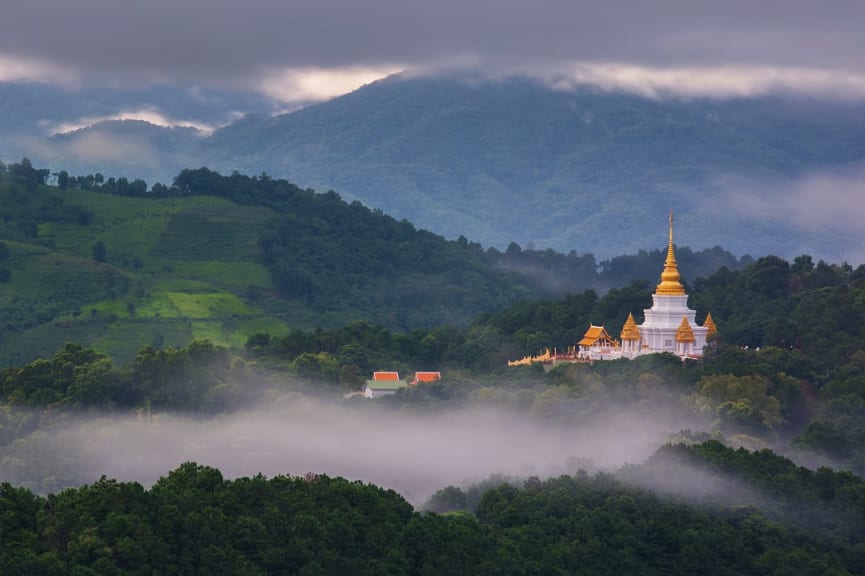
(413, 453)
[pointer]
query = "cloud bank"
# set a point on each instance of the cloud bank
(712, 82)
(815, 202)
(414, 454)
(150, 114)
(313, 46)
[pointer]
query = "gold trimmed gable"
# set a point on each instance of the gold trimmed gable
(630, 331)
(709, 324)
(596, 335)
(685, 334)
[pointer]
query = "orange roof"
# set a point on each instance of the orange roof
(427, 376)
(593, 334)
(385, 375)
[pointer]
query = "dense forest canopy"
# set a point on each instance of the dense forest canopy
(194, 521)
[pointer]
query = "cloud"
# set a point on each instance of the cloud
(97, 147)
(238, 44)
(18, 69)
(810, 204)
(310, 84)
(413, 453)
(712, 82)
(93, 148)
(149, 114)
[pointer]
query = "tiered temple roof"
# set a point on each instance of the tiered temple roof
(685, 334)
(596, 335)
(710, 325)
(630, 331)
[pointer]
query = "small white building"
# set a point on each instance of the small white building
(383, 384)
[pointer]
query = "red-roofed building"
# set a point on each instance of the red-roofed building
(426, 377)
(383, 384)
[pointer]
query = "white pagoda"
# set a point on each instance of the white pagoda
(669, 325)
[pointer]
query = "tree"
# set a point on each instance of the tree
(448, 499)
(62, 179)
(99, 251)
(25, 172)
(321, 365)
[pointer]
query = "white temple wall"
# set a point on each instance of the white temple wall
(662, 321)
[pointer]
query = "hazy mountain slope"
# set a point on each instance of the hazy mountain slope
(26, 108)
(32, 116)
(507, 160)
(119, 147)
(514, 160)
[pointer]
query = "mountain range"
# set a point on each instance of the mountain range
(515, 159)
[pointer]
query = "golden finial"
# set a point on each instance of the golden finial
(670, 284)
(671, 226)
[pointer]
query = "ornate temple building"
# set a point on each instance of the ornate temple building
(669, 326)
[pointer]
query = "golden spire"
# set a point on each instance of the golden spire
(709, 324)
(630, 331)
(685, 333)
(670, 285)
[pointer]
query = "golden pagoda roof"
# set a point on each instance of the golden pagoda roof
(630, 331)
(593, 334)
(685, 333)
(670, 280)
(710, 325)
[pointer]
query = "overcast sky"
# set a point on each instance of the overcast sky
(301, 49)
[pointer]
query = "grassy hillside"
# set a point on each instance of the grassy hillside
(173, 270)
(118, 273)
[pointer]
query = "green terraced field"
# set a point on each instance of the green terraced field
(230, 275)
(175, 269)
(202, 306)
(213, 232)
(51, 336)
(122, 340)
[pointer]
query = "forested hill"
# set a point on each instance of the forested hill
(506, 160)
(109, 263)
(516, 160)
(195, 521)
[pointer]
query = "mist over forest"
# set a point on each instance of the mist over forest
(413, 452)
